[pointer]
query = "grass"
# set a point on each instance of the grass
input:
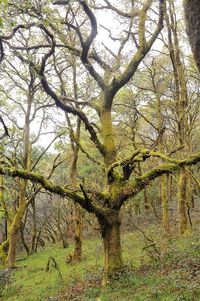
(166, 271)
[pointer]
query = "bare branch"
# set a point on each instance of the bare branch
(6, 133)
(144, 47)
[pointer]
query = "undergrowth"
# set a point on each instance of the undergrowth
(165, 270)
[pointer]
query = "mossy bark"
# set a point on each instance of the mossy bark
(108, 136)
(75, 139)
(147, 204)
(165, 207)
(77, 256)
(163, 188)
(110, 230)
(15, 225)
(182, 104)
(34, 229)
(182, 196)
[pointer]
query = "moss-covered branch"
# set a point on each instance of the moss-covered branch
(89, 204)
(133, 187)
(139, 155)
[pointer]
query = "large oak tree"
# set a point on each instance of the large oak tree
(110, 76)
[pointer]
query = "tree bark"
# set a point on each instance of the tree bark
(192, 17)
(165, 207)
(15, 225)
(107, 133)
(182, 196)
(110, 231)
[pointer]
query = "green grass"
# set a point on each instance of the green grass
(173, 275)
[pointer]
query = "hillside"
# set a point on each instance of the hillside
(156, 269)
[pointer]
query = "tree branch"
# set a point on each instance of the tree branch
(132, 188)
(144, 47)
(89, 204)
(6, 133)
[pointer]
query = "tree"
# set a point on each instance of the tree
(192, 13)
(111, 75)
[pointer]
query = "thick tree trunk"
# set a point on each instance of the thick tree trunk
(192, 17)
(13, 235)
(15, 225)
(108, 136)
(110, 230)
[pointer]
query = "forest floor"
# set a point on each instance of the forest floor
(157, 268)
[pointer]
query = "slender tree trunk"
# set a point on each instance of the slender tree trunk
(182, 195)
(34, 229)
(182, 108)
(4, 208)
(165, 208)
(163, 188)
(63, 236)
(78, 233)
(147, 204)
(75, 139)
(110, 230)
(26, 247)
(77, 256)
(3, 252)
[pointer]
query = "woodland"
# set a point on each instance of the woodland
(99, 150)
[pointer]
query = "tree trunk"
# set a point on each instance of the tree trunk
(15, 225)
(108, 136)
(147, 204)
(34, 229)
(13, 235)
(165, 208)
(110, 230)
(3, 252)
(26, 247)
(77, 256)
(182, 197)
(192, 17)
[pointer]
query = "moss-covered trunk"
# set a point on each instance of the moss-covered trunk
(165, 207)
(182, 196)
(15, 226)
(110, 230)
(77, 256)
(182, 107)
(108, 135)
(163, 188)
